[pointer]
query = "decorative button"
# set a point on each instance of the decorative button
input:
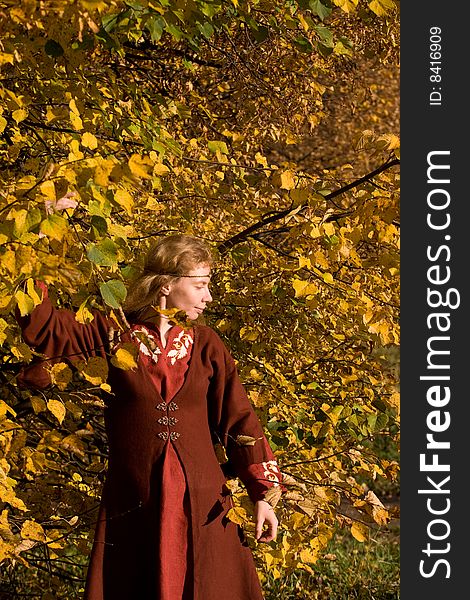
(168, 420)
(173, 406)
(174, 435)
(161, 406)
(163, 435)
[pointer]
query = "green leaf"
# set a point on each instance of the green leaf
(319, 9)
(113, 292)
(99, 225)
(206, 29)
(303, 44)
(103, 253)
(325, 36)
(215, 147)
(343, 47)
(155, 26)
(174, 31)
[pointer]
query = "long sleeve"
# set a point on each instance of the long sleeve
(57, 335)
(238, 429)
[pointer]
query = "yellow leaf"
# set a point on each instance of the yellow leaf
(140, 166)
(347, 5)
(22, 351)
(273, 495)
(32, 293)
(308, 556)
(297, 521)
(304, 288)
(328, 228)
(124, 358)
(6, 58)
(24, 545)
(393, 141)
(48, 189)
(287, 180)
(8, 260)
(89, 141)
(359, 531)
(33, 531)
(309, 507)
(73, 107)
(3, 124)
(95, 370)
(57, 408)
(234, 516)
(103, 170)
(4, 408)
(9, 496)
(54, 227)
(160, 169)
(3, 328)
(256, 375)
(92, 5)
(76, 121)
(249, 334)
(75, 154)
(245, 440)
(19, 115)
(328, 278)
(25, 303)
(38, 404)
(61, 375)
(74, 444)
(220, 453)
(382, 7)
(261, 160)
(299, 196)
(124, 199)
(83, 314)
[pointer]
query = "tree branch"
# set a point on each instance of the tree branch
(243, 235)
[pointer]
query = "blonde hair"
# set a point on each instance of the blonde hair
(170, 258)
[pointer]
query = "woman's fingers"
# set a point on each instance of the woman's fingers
(265, 515)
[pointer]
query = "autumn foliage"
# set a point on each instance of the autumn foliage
(123, 121)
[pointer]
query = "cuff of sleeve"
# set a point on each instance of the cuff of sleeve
(260, 477)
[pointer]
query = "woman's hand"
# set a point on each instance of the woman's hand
(264, 512)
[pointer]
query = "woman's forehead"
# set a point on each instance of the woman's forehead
(200, 271)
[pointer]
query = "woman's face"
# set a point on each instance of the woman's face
(191, 294)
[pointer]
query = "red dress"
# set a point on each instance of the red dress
(167, 367)
(162, 531)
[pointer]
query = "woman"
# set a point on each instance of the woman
(162, 531)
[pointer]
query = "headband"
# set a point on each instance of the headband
(178, 275)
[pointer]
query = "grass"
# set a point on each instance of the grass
(351, 570)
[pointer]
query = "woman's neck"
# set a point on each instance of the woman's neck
(161, 321)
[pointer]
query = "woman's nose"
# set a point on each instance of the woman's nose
(207, 296)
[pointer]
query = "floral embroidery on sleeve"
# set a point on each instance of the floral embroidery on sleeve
(271, 471)
(260, 477)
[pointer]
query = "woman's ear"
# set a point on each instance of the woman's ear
(165, 290)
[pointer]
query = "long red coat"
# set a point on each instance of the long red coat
(211, 406)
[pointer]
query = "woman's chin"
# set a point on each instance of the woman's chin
(194, 315)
